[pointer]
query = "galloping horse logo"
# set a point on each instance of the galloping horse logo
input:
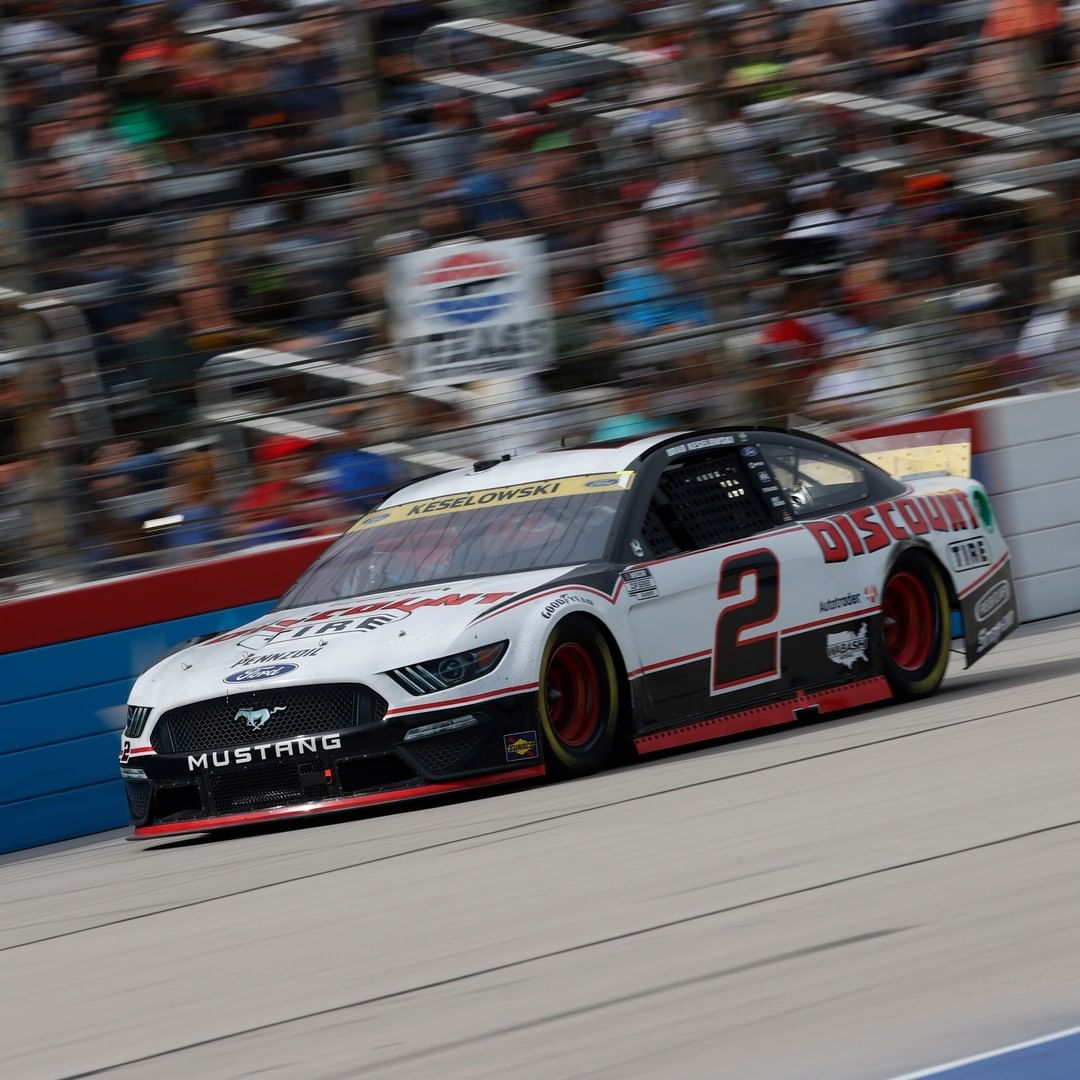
(257, 718)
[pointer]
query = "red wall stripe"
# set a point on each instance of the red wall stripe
(103, 607)
(971, 419)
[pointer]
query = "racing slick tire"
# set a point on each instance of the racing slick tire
(915, 627)
(578, 699)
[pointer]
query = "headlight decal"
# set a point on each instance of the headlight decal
(447, 672)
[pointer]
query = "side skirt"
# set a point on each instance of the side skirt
(837, 699)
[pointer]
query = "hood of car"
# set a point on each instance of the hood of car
(339, 641)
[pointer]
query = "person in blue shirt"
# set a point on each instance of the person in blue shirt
(358, 478)
(633, 417)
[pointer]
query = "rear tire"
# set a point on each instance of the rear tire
(915, 627)
(578, 700)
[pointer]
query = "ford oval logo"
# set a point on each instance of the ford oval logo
(271, 671)
(996, 598)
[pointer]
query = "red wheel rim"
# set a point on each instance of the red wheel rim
(909, 621)
(573, 694)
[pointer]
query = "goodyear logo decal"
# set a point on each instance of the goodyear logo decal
(473, 500)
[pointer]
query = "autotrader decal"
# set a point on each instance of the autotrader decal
(838, 602)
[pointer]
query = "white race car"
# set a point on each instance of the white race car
(524, 616)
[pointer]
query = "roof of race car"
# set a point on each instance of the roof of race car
(532, 468)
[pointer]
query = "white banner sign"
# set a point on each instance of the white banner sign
(471, 310)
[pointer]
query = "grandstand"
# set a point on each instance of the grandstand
(222, 218)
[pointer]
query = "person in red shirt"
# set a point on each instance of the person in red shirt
(281, 506)
(790, 348)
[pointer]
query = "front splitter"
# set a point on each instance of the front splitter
(330, 806)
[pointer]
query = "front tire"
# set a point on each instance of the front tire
(915, 627)
(578, 698)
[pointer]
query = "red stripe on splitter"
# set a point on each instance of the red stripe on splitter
(852, 696)
(279, 813)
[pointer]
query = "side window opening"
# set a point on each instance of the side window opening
(699, 503)
(814, 480)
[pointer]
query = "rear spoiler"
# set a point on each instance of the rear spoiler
(917, 453)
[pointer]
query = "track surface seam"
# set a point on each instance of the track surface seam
(571, 949)
(535, 821)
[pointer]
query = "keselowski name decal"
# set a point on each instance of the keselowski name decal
(272, 751)
(472, 500)
(871, 528)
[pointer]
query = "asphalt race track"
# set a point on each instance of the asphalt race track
(858, 898)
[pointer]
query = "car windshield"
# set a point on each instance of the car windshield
(546, 523)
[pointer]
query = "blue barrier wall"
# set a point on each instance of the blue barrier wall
(62, 708)
(67, 662)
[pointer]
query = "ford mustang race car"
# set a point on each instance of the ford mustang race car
(522, 617)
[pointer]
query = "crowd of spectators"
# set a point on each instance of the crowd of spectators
(199, 191)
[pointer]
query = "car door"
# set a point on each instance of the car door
(738, 604)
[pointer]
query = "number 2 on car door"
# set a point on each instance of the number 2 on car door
(749, 595)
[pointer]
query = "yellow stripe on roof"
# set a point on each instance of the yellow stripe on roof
(533, 491)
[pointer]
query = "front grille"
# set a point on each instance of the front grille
(266, 716)
(444, 754)
(138, 797)
(257, 788)
(137, 715)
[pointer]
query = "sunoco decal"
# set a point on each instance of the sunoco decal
(992, 601)
(848, 646)
(518, 493)
(254, 674)
(521, 746)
